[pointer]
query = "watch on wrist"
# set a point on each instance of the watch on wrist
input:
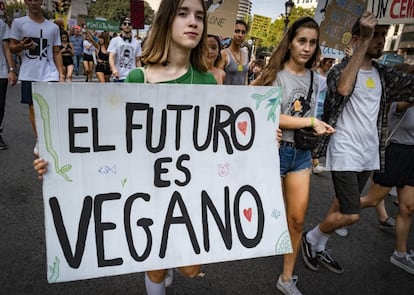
(12, 70)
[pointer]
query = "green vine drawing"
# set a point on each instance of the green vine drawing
(54, 271)
(45, 115)
(273, 97)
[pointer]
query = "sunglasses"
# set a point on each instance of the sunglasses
(126, 23)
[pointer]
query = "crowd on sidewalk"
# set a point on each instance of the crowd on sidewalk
(358, 111)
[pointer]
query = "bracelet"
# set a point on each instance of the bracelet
(312, 123)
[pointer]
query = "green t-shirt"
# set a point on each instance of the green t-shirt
(192, 76)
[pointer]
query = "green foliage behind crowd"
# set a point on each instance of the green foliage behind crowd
(109, 9)
(116, 9)
(277, 28)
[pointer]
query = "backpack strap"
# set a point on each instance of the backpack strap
(310, 86)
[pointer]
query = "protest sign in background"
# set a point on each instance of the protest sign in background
(221, 17)
(331, 52)
(145, 177)
(260, 26)
(392, 11)
(336, 19)
(102, 25)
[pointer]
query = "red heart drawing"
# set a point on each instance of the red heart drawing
(242, 127)
(248, 214)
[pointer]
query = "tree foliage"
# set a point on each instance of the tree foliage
(117, 9)
(277, 28)
(13, 5)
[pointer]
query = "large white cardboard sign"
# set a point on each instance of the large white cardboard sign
(144, 177)
(392, 11)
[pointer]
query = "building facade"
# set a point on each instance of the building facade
(307, 4)
(400, 39)
(245, 9)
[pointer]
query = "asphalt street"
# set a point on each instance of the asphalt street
(364, 253)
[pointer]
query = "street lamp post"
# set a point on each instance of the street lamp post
(288, 10)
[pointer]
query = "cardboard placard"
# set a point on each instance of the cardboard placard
(144, 177)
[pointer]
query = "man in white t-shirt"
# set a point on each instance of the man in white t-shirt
(7, 73)
(38, 40)
(124, 52)
(359, 90)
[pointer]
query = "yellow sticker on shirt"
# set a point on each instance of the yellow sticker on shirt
(370, 83)
(297, 106)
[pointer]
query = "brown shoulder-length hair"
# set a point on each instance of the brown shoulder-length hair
(155, 50)
(219, 59)
(282, 53)
(105, 37)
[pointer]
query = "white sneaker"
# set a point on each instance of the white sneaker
(342, 231)
(318, 169)
(169, 278)
(289, 287)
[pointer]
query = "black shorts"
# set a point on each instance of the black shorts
(399, 168)
(87, 57)
(348, 187)
(67, 60)
(27, 96)
(103, 68)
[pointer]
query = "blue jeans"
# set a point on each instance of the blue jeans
(293, 160)
(77, 60)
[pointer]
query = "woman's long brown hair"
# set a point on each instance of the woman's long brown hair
(282, 54)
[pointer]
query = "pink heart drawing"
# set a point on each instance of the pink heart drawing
(242, 127)
(248, 214)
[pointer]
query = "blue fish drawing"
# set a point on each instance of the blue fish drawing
(107, 169)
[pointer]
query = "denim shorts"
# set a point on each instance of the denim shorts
(293, 160)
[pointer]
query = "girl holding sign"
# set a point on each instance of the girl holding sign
(174, 53)
(290, 68)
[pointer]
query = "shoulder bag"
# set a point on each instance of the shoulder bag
(305, 138)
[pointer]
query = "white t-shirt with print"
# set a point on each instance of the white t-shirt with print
(5, 35)
(38, 63)
(126, 54)
(355, 144)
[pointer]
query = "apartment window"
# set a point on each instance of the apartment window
(407, 36)
(397, 28)
(392, 45)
